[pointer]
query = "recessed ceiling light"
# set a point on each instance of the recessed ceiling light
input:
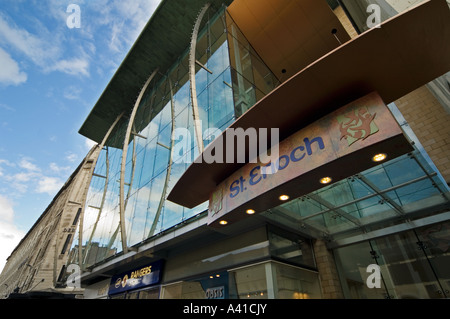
(379, 157)
(284, 197)
(223, 222)
(325, 180)
(250, 211)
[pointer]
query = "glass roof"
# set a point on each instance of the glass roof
(401, 189)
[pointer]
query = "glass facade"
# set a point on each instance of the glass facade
(229, 79)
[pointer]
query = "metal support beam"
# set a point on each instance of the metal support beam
(369, 196)
(335, 209)
(439, 218)
(398, 209)
(203, 67)
(315, 231)
(139, 135)
(98, 175)
(165, 146)
(430, 176)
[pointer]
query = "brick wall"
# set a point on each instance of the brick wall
(329, 279)
(431, 124)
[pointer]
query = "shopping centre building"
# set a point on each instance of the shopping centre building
(352, 100)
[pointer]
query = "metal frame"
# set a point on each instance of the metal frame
(390, 230)
(91, 174)
(364, 227)
(169, 167)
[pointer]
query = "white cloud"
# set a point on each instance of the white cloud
(124, 19)
(22, 177)
(10, 73)
(25, 177)
(6, 209)
(76, 66)
(59, 169)
(89, 143)
(10, 235)
(72, 157)
(49, 185)
(72, 92)
(26, 164)
(37, 49)
(26, 43)
(6, 163)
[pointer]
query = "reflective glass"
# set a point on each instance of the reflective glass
(405, 185)
(296, 283)
(251, 78)
(407, 264)
(150, 171)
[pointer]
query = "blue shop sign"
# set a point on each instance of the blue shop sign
(137, 278)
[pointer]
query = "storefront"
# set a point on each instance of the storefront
(351, 187)
(264, 263)
(138, 283)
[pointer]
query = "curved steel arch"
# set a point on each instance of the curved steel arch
(123, 234)
(192, 62)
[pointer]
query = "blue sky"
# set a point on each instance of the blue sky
(51, 76)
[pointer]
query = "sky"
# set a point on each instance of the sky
(56, 59)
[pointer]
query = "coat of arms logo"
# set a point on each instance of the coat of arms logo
(357, 124)
(215, 204)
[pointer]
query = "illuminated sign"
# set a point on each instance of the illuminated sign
(136, 278)
(337, 146)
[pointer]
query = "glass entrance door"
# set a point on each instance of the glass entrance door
(413, 264)
(434, 241)
(406, 268)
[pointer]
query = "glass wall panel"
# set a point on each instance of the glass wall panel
(413, 265)
(100, 222)
(296, 283)
(251, 78)
(406, 270)
(211, 286)
(274, 280)
(434, 241)
(291, 248)
(152, 164)
(251, 282)
(352, 262)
